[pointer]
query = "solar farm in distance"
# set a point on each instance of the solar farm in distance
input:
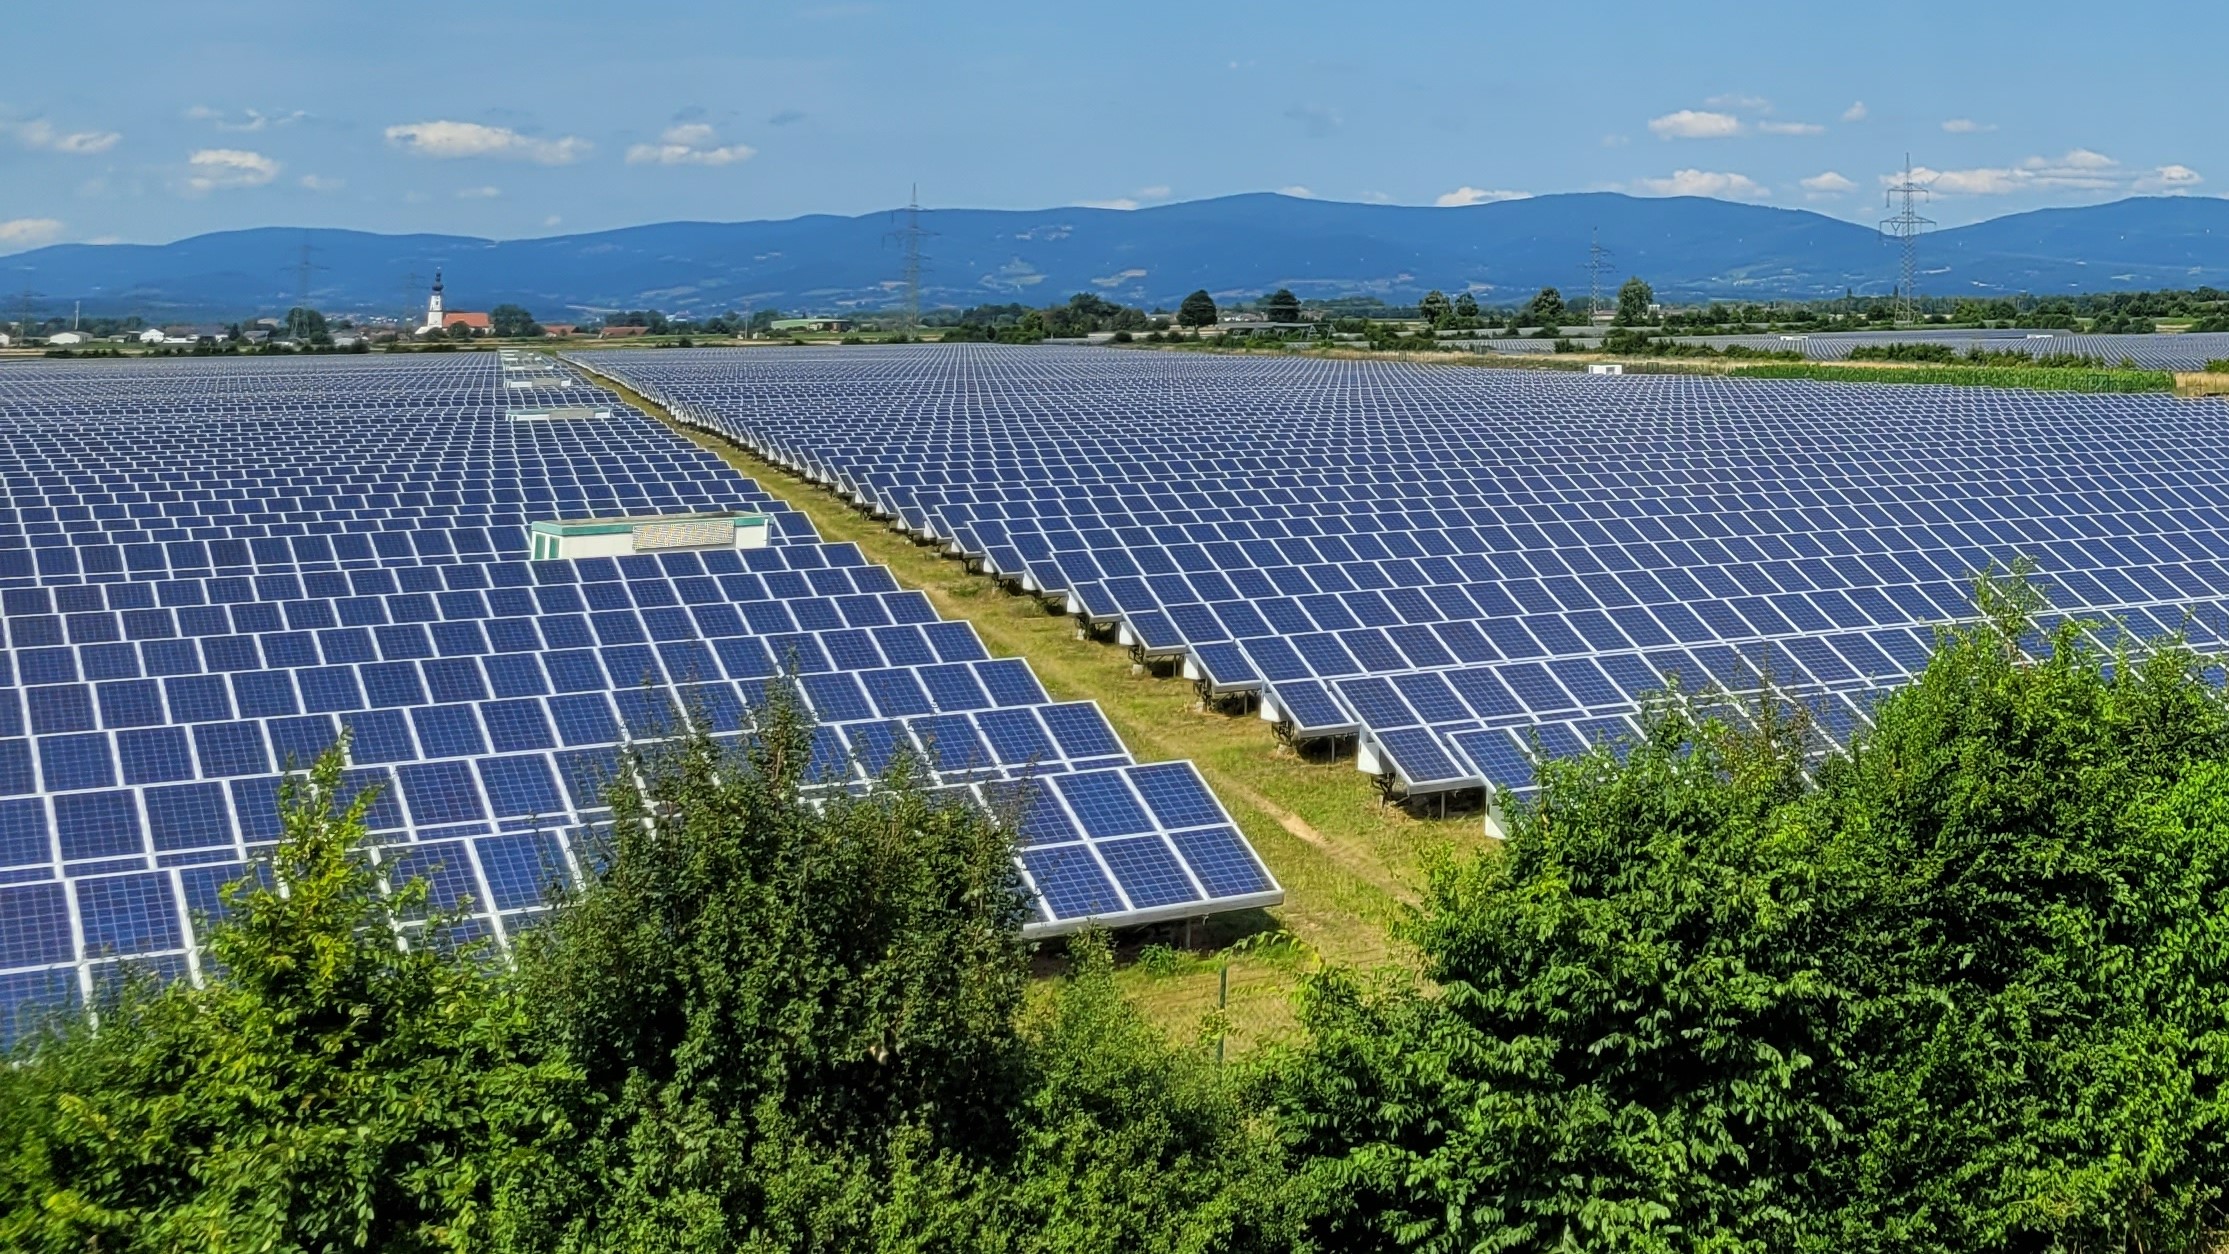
(1463, 569)
(492, 574)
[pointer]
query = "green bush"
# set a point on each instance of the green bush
(766, 1024)
(324, 1090)
(1961, 989)
(1904, 352)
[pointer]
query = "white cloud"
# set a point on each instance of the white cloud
(1723, 185)
(1967, 126)
(478, 193)
(1979, 181)
(1295, 189)
(44, 135)
(216, 169)
(2077, 169)
(249, 121)
(320, 183)
(1616, 141)
(1376, 198)
(2073, 159)
(1468, 195)
(471, 139)
(1695, 124)
(1159, 191)
(1855, 113)
(1753, 104)
(552, 220)
(1791, 128)
(19, 233)
(2170, 178)
(691, 144)
(1119, 202)
(1827, 183)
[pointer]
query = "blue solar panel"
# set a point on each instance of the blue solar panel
(1543, 541)
(1071, 881)
(1149, 873)
(1102, 803)
(244, 607)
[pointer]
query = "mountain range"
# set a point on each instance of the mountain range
(1237, 247)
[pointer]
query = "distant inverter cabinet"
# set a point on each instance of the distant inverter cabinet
(615, 537)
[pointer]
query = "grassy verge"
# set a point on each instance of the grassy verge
(1349, 865)
(2036, 378)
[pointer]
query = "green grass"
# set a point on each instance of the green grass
(1349, 865)
(2036, 378)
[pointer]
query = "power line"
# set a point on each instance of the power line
(909, 238)
(1905, 225)
(303, 268)
(26, 299)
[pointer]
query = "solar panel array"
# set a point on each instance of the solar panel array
(1467, 568)
(209, 570)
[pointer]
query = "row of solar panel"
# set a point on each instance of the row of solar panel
(1666, 520)
(169, 811)
(1127, 840)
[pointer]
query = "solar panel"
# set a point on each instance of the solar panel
(1382, 548)
(191, 606)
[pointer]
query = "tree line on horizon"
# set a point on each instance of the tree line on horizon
(1634, 305)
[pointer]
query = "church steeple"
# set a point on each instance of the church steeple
(434, 321)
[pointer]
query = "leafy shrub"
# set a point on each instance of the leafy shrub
(1926, 999)
(1904, 352)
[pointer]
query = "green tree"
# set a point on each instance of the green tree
(1466, 308)
(1282, 306)
(783, 989)
(1634, 299)
(1962, 992)
(1546, 309)
(326, 1089)
(459, 331)
(512, 322)
(1198, 310)
(1434, 308)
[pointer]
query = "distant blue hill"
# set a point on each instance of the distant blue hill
(1235, 246)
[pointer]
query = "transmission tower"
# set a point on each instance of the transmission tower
(909, 239)
(1598, 259)
(1904, 196)
(26, 300)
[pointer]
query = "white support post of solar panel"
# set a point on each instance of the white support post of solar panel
(192, 607)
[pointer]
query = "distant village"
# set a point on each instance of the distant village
(307, 329)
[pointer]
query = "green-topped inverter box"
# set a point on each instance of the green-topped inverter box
(647, 533)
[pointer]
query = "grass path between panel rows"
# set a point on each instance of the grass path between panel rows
(1349, 865)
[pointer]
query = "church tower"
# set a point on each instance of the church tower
(433, 305)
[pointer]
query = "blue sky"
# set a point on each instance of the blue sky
(155, 121)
